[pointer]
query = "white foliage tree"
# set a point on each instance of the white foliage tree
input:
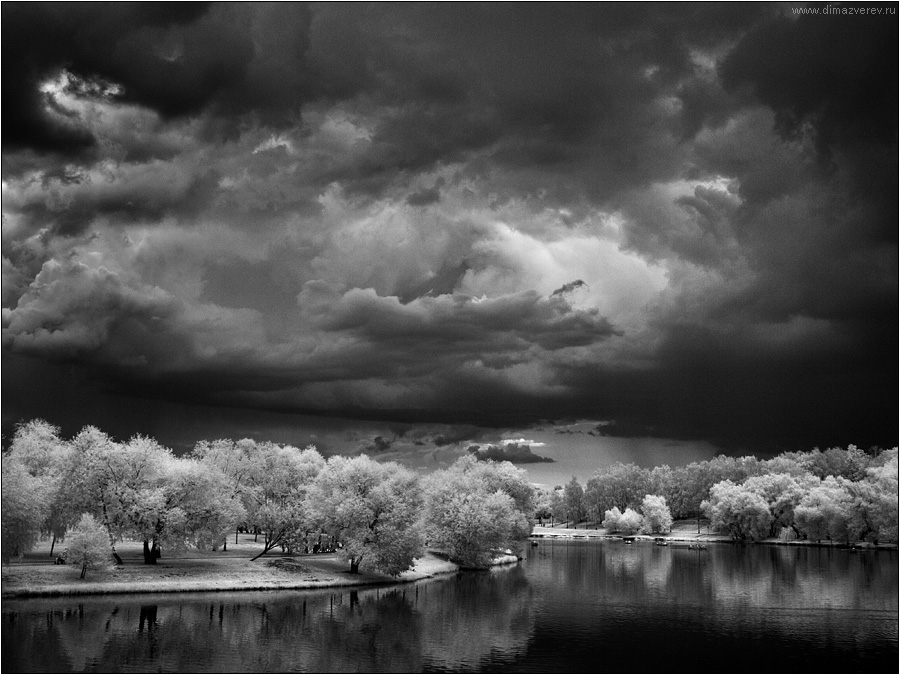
(373, 509)
(24, 508)
(741, 513)
(89, 546)
(474, 509)
(657, 517)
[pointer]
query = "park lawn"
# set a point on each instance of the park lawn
(198, 571)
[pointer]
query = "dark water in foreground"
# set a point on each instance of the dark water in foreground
(570, 607)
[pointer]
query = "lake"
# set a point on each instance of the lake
(570, 606)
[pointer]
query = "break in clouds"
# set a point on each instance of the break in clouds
(678, 218)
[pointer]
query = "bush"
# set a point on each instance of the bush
(657, 517)
(611, 519)
(627, 523)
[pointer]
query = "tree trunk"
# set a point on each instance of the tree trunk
(149, 559)
(83, 570)
(155, 550)
(354, 565)
(236, 530)
(266, 549)
(52, 544)
(112, 540)
(268, 545)
(225, 545)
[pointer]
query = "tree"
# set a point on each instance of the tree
(513, 482)
(199, 507)
(689, 486)
(878, 496)
(735, 469)
(276, 490)
(574, 496)
(782, 493)
(270, 481)
(662, 482)
(92, 489)
(829, 511)
(738, 511)
(89, 546)
(790, 463)
(471, 527)
(657, 517)
(23, 508)
(627, 522)
(558, 503)
(235, 461)
(473, 509)
(133, 481)
(611, 518)
(373, 509)
(620, 485)
(630, 522)
(141, 490)
(543, 509)
(850, 463)
(38, 446)
(504, 476)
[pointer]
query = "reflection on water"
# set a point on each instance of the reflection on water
(572, 606)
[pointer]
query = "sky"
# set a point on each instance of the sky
(449, 224)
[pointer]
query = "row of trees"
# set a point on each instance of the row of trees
(839, 494)
(381, 513)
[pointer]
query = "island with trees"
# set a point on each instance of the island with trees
(278, 506)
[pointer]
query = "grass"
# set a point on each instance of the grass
(198, 571)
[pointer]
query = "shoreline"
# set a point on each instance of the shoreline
(40, 579)
(208, 572)
(545, 532)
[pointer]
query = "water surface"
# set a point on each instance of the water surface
(571, 606)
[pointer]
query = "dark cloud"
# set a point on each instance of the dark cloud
(424, 198)
(510, 452)
(832, 77)
(375, 446)
(569, 287)
(379, 210)
(116, 42)
(836, 71)
(456, 434)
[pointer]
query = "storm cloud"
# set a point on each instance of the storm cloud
(677, 218)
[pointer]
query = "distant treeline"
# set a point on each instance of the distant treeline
(844, 495)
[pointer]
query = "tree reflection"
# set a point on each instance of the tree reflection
(471, 621)
(751, 575)
(480, 615)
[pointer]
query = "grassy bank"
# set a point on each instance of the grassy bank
(196, 571)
